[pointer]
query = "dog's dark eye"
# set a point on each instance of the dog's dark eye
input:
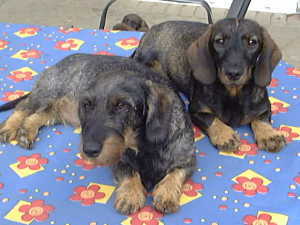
(220, 41)
(87, 104)
(122, 106)
(252, 42)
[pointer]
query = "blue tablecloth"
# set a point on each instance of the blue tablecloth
(52, 185)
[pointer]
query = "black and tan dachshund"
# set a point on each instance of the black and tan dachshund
(224, 70)
(132, 22)
(130, 118)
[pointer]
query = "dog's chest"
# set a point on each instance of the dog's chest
(151, 165)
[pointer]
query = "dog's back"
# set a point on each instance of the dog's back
(167, 42)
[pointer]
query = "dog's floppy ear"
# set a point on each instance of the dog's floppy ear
(158, 115)
(201, 60)
(267, 61)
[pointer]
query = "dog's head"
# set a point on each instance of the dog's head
(117, 113)
(132, 22)
(234, 51)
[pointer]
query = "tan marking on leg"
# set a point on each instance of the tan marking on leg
(130, 139)
(267, 137)
(9, 128)
(130, 195)
(166, 194)
(31, 125)
(223, 136)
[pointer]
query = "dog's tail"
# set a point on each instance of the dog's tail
(146, 59)
(12, 104)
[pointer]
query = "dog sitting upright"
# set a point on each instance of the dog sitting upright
(224, 70)
(130, 118)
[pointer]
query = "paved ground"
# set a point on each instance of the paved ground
(285, 29)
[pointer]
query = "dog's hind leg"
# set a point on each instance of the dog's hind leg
(28, 131)
(9, 128)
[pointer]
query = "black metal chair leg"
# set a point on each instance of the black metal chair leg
(104, 14)
(238, 9)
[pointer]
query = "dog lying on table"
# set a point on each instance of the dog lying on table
(224, 70)
(130, 118)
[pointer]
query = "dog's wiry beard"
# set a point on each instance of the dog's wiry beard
(234, 86)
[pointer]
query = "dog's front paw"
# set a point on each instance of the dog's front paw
(223, 137)
(166, 200)
(267, 137)
(272, 141)
(130, 198)
(7, 133)
(26, 138)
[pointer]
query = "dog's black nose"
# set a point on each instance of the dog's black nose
(234, 73)
(91, 153)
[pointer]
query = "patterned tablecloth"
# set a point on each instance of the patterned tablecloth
(52, 185)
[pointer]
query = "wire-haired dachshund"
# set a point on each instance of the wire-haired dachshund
(130, 118)
(132, 22)
(224, 70)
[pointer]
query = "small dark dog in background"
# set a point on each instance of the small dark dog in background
(130, 118)
(132, 22)
(224, 70)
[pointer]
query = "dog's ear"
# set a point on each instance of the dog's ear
(158, 113)
(267, 61)
(201, 60)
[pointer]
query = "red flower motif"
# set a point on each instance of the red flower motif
(85, 164)
(288, 133)
(190, 188)
(246, 148)
(146, 216)
(18, 76)
(250, 187)
(104, 53)
(69, 30)
(9, 96)
(32, 162)
(1, 185)
(36, 210)
(31, 53)
(278, 107)
(87, 195)
(197, 133)
(262, 219)
(130, 41)
(29, 30)
(274, 82)
(66, 45)
(293, 72)
(3, 44)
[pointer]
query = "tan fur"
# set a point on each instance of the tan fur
(166, 195)
(68, 111)
(29, 130)
(267, 137)
(223, 136)
(130, 140)
(234, 87)
(9, 129)
(130, 195)
(112, 149)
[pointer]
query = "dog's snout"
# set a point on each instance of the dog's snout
(234, 73)
(92, 151)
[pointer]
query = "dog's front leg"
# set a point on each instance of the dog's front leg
(130, 193)
(166, 194)
(221, 135)
(266, 136)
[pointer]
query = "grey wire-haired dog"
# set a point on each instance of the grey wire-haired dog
(130, 117)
